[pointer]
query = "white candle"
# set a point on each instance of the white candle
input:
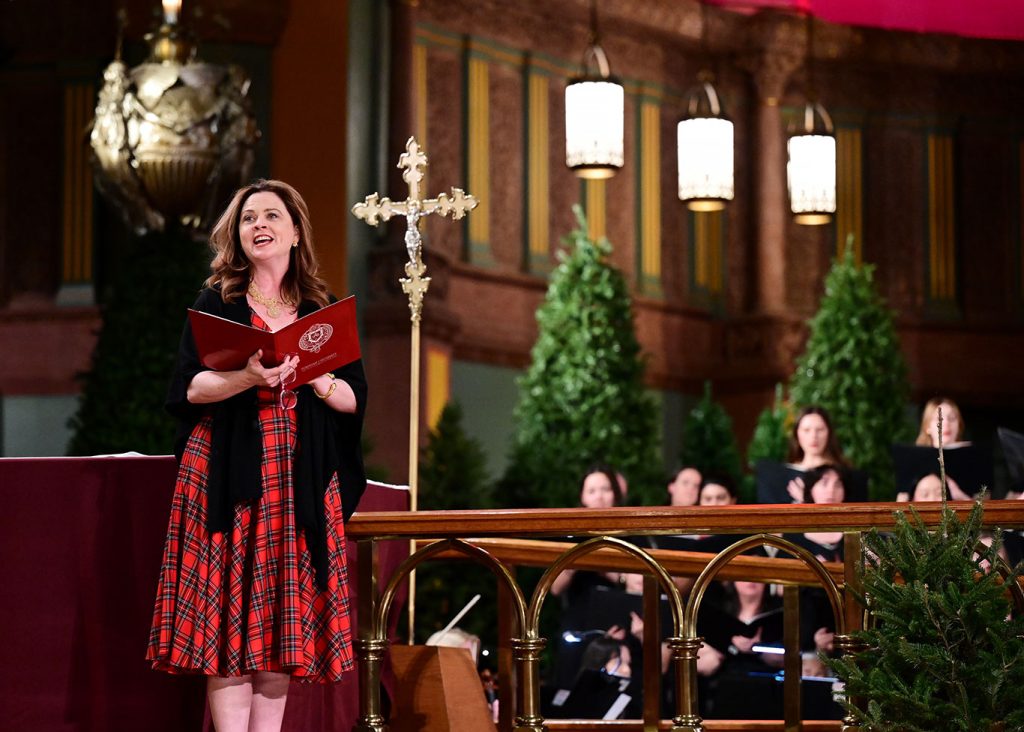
(171, 10)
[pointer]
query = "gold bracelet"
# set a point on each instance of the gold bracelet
(330, 389)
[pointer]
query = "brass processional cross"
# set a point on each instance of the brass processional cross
(376, 209)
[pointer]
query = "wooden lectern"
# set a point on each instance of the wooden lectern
(437, 690)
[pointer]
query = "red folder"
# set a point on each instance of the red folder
(323, 341)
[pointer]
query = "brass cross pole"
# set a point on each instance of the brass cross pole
(375, 209)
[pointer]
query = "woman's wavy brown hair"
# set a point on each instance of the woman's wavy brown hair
(231, 268)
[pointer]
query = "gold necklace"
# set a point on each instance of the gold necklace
(272, 304)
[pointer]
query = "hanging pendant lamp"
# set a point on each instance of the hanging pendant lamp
(594, 114)
(704, 144)
(811, 170)
(811, 167)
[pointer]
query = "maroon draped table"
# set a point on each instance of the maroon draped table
(80, 549)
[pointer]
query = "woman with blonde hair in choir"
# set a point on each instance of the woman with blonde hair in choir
(952, 435)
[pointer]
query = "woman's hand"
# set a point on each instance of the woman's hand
(824, 640)
(709, 660)
(215, 386)
(744, 644)
(636, 625)
(273, 376)
(795, 489)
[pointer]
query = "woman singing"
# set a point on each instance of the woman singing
(254, 588)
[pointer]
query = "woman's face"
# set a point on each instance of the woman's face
(713, 494)
(749, 589)
(950, 425)
(620, 665)
(265, 228)
(929, 488)
(597, 492)
(685, 488)
(812, 435)
(829, 489)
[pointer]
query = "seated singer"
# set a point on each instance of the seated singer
(812, 444)
(253, 589)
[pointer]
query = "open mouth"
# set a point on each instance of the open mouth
(262, 239)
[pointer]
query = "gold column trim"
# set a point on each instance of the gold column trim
(438, 383)
(595, 205)
(850, 197)
(715, 219)
(707, 251)
(420, 102)
(538, 176)
(478, 150)
(650, 195)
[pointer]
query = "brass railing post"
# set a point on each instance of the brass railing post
(506, 665)
(371, 653)
(526, 652)
(853, 612)
(684, 678)
(793, 662)
(652, 653)
(372, 644)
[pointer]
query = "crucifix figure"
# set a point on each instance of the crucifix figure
(376, 209)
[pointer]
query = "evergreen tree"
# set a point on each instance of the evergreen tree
(453, 475)
(453, 468)
(708, 440)
(582, 399)
(853, 367)
(770, 440)
(942, 656)
(122, 404)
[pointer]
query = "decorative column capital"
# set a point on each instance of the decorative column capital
(780, 43)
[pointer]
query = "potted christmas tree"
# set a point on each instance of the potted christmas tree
(942, 653)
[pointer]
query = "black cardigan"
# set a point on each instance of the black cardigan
(328, 441)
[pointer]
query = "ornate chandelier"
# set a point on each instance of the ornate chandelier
(594, 114)
(173, 135)
(704, 144)
(811, 169)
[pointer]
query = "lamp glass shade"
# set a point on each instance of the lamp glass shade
(705, 154)
(811, 176)
(594, 114)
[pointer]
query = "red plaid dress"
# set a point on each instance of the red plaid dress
(232, 605)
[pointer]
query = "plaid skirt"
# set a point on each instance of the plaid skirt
(229, 605)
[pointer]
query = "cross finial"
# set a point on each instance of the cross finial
(414, 160)
(375, 209)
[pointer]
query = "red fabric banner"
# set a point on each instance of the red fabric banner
(981, 18)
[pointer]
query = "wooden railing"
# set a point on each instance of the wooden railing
(504, 539)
